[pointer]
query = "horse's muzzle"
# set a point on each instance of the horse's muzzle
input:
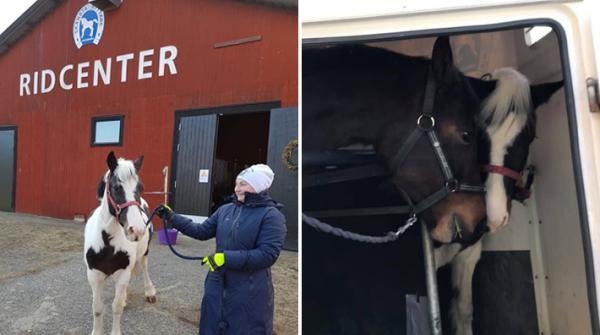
(468, 238)
(134, 234)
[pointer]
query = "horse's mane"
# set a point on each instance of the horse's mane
(512, 94)
(100, 188)
(357, 56)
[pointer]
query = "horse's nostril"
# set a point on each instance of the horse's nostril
(130, 230)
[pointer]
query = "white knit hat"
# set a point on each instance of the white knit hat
(259, 176)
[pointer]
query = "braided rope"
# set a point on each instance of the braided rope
(327, 228)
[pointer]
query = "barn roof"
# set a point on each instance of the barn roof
(41, 8)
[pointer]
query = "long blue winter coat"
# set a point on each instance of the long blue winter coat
(238, 299)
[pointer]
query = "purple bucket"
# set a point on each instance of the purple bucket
(172, 234)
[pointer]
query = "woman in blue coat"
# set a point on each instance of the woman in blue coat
(250, 231)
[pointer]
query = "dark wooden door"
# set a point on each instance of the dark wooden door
(283, 128)
(8, 137)
(195, 151)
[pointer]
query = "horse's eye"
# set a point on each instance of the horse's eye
(466, 137)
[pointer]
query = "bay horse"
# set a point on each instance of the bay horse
(356, 94)
(117, 239)
(507, 121)
(360, 94)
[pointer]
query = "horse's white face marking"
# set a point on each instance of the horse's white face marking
(501, 138)
(135, 226)
(506, 110)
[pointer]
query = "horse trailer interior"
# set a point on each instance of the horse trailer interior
(537, 274)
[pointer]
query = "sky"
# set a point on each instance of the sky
(11, 10)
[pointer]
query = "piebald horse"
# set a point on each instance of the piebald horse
(117, 239)
(507, 121)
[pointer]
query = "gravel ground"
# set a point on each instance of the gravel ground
(44, 289)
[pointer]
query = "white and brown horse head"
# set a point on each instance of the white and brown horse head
(508, 119)
(120, 190)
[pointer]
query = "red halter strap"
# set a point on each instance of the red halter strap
(119, 207)
(502, 171)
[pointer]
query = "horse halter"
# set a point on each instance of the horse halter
(426, 125)
(522, 192)
(118, 207)
(502, 170)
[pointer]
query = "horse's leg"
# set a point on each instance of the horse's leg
(125, 296)
(445, 253)
(461, 309)
(97, 283)
(149, 289)
(121, 282)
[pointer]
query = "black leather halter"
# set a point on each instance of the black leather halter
(426, 125)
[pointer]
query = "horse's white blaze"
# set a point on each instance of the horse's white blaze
(506, 109)
(127, 174)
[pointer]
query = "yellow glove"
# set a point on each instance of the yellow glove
(214, 261)
(164, 212)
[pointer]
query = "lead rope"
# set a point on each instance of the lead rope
(193, 258)
(327, 228)
(408, 144)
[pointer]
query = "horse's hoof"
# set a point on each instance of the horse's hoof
(151, 299)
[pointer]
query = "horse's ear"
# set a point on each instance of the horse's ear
(541, 93)
(111, 161)
(441, 58)
(482, 88)
(138, 163)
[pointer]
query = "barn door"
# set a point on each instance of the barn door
(195, 150)
(7, 168)
(283, 129)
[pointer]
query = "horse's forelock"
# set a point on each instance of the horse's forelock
(125, 170)
(126, 176)
(512, 94)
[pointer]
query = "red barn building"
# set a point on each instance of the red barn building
(201, 87)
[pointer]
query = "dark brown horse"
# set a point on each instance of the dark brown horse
(358, 94)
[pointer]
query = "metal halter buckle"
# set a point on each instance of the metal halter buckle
(426, 122)
(452, 185)
(409, 222)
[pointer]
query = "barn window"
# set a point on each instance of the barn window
(107, 130)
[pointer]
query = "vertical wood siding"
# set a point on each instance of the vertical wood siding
(57, 169)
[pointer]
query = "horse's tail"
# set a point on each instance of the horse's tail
(512, 93)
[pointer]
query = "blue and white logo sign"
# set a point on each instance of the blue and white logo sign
(88, 26)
